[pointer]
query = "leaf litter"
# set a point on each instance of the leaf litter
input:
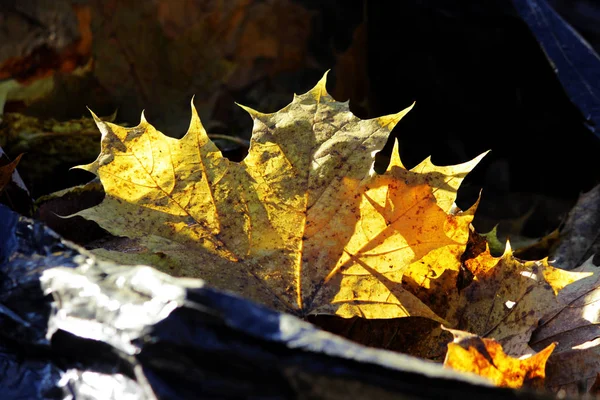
(305, 225)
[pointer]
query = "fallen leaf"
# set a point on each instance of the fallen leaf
(159, 53)
(524, 247)
(69, 201)
(542, 248)
(575, 326)
(404, 335)
(433, 278)
(595, 389)
(303, 224)
(579, 238)
(58, 42)
(508, 297)
(160, 45)
(485, 357)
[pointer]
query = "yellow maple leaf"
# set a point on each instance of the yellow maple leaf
(485, 357)
(303, 224)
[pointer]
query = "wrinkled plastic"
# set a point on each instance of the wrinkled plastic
(72, 327)
(574, 61)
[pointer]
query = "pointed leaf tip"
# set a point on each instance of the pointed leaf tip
(195, 115)
(101, 125)
(253, 113)
(112, 117)
(320, 88)
(143, 119)
(507, 249)
(476, 160)
(323, 80)
(390, 121)
(94, 116)
(196, 126)
(395, 157)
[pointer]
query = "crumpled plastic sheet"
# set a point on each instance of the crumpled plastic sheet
(72, 327)
(575, 62)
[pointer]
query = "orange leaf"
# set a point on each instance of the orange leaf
(485, 357)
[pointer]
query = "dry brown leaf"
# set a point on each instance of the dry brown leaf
(171, 50)
(579, 238)
(508, 297)
(417, 336)
(595, 389)
(575, 326)
(303, 224)
(485, 357)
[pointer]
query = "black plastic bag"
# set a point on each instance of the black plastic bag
(72, 327)
(574, 61)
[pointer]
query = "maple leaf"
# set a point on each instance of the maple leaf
(508, 297)
(433, 277)
(485, 357)
(303, 224)
(579, 236)
(574, 326)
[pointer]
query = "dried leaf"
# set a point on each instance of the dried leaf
(433, 278)
(49, 208)
(579, 238)
(417, 336)
(159, 46)
(485, 357)
(595, 389)
(575, 326)
(542, 247)
(508, 297)
(303, 224)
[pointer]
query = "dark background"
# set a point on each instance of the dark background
(482, 82)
